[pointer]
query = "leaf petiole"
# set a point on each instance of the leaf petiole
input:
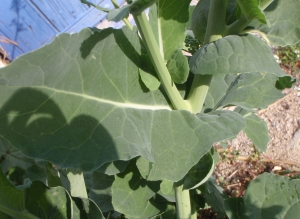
(151, 45)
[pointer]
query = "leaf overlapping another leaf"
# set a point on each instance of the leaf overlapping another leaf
(284, 26)
(66, 103)
(235, 54)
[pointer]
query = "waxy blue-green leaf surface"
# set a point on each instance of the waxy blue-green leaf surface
(284, 28)
(70, 103)
(131, 192)
(257, 130)
(209, 128)
(271, 196)
(178, 67)
(235, 54)
(253, 90)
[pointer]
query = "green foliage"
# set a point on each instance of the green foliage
(102, 120)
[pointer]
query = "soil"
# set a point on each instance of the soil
(283, 120)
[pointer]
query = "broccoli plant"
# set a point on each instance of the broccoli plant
(120, 123)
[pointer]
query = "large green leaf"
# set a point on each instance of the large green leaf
(235, 54)
(271, 196)
(131, 192)
(284, 28)
(69, 103)
(173, 161)
(254, 90)
(252, 10)
(72, 88)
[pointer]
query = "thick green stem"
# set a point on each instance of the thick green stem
(193, 204)
(215, 30)
(183, 202)
(151, 45)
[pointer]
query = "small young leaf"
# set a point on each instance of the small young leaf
(270, 196)
(285, 82)
(257, 130)
(95, 6)
(178, 67)
(118, 13)
(151, 81)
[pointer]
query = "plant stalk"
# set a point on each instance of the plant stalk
(183, 201)
(215, 30)
(165, 78)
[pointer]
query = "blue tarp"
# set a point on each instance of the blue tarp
(33, 23)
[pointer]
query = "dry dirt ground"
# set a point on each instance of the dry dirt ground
(283, 119)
